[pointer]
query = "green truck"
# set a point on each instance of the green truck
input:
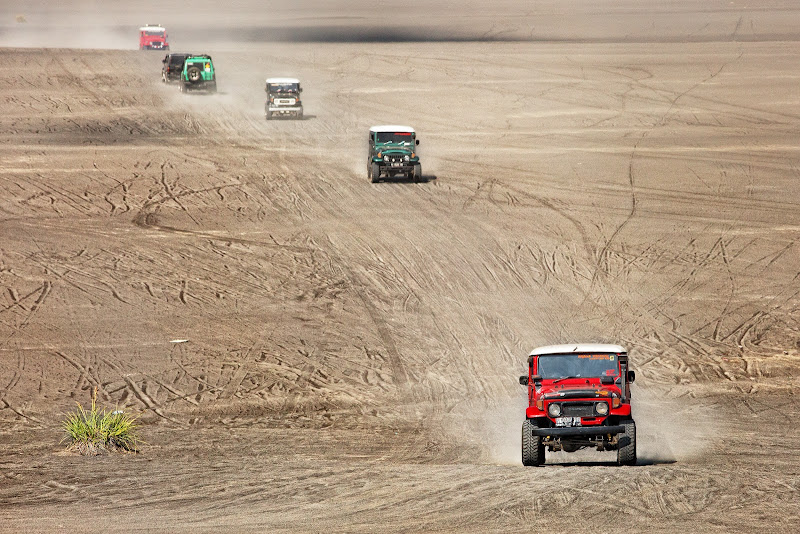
(392, 153)
(198, 74)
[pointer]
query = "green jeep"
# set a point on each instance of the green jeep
(198, 75)
(392, 153)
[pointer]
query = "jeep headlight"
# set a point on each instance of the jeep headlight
(554, 410)
(601, 408)
(385, 158)
(407, 157)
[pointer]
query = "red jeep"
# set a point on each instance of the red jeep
(153, 38)
(578, 396)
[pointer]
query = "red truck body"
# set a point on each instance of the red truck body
(153, 37)
(578, 396)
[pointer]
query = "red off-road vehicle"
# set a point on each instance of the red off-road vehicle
(153, 37)
(578, 396)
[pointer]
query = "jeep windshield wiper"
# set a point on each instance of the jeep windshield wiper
(564, 378)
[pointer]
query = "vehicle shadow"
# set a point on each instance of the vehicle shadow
(303, 118)
(639, 463)
(426, 178)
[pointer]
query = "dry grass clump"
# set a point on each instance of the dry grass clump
(94, 431)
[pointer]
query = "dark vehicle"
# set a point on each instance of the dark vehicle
(283, 98)
(578, 396)
(198, 74)
(171, 67)
(392, 152)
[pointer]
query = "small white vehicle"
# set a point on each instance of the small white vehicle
(283, 98)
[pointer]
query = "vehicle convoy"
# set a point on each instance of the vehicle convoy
(153, 37)
(578, 396)
(198, 74)
(283, 98)
(171, 67)
(392, 152)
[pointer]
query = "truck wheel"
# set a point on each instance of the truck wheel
(374, 173)
(532, 447)
(268, 114)
(416, 174)
(626, 451)
(299, 115)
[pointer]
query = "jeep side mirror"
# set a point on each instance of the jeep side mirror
(416, 141)
(606, 380)
(523, 380)
(631, 376)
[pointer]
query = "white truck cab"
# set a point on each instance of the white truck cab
(283, 98)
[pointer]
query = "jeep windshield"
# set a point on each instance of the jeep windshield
(395, 138)
(283, 87)
(562, 366)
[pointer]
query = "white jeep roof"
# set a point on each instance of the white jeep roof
(152, 29)
(582, 348)
(392, 128)
(283, 80)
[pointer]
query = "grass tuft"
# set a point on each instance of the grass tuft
(95, 431)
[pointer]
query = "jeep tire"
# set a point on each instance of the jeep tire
(626, 450)
(193, 74)
(374, 173)
(416, 174)
(532, 446)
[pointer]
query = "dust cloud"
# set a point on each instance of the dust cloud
(674, 429)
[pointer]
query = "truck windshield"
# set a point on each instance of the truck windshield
(154, 34)
(400, 138)
(283, 87)
(553, 366)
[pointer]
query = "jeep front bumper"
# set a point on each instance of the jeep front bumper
(596, 430)
(285, 109)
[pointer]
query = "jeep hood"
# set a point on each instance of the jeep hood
(389, 148)
(578, 388)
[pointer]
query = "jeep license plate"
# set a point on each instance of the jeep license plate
(397, 164)
(568, 421)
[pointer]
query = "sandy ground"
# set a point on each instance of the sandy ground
(623, 172)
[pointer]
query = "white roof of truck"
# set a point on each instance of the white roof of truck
(152, 29)
(582, 348)
(392, 128)
(283, 80)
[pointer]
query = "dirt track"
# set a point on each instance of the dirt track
(353, 349)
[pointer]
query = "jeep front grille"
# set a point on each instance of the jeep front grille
(577, 409)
